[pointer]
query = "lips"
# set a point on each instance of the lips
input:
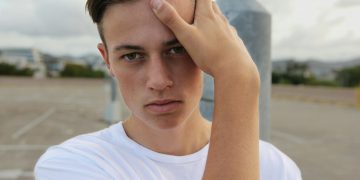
(163, 106)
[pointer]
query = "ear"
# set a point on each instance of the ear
(105, 56)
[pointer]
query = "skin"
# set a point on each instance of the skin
(155, 72)
(214, 47)
(234, 148)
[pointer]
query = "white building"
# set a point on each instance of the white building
(25, 58)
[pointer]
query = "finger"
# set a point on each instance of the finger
(204, 4)
(218, 12)
(216, 8)
(233, 29)
(203, 7)
(236, 34)
(167, 14)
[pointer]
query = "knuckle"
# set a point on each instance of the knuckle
(187, 36)
(224, 18)
(169, 20)
(169, 17)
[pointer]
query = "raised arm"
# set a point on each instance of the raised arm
(216, 48)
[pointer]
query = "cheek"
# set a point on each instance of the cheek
(191, 77)
(190, 70)
(128, 87)
(125, 76)
(197, 80)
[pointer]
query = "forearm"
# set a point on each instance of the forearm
(215, 48)
(233, 152)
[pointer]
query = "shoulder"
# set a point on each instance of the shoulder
(274, 164)
(82, 157)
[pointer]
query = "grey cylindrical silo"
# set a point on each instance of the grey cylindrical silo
(253, 24)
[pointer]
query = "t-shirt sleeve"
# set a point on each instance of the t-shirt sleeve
(275, 164)
(60, 165)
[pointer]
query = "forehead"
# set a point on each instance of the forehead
(134, 21)
(184, 7)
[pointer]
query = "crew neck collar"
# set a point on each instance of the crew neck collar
(120, 133)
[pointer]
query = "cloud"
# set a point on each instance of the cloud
(305, 43)
(57, 27)
(46, 18)
(314, 29)
(78, 45)
(327, 29)
(348, 3)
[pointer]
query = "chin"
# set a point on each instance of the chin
(167, 122)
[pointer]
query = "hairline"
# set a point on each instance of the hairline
(100, 22)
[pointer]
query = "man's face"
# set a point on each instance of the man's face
(158, 80)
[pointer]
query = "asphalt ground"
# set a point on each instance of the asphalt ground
(35, 114)
(316, 127)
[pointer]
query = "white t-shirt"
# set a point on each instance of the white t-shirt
(111, 154)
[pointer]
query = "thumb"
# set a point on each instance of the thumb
(167, 14)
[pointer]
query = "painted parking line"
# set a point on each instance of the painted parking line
(33, 123)
(23, 147)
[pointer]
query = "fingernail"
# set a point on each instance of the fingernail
(156, 4)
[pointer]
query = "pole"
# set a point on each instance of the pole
(253, 24)
(112, 112)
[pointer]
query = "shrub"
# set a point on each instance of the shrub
(76, 70)
(349, 77)
(7, 69)
(11, 70)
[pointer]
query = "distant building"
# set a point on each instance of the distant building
(54, 65)
(47, 65)
(95, 62)
(25, 58)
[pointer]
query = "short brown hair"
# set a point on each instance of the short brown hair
(97, 9)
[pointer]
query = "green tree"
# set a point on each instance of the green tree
(349, 77)
(295, 73)
(8, 69)
(76, 70)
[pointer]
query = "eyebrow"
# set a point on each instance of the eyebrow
(171, 42)
(135, 47)
(128, 47)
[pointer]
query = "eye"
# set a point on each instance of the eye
(132, 57)
(177, 50)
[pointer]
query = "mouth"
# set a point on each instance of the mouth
(163, 106)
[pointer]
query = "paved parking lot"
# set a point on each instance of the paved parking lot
(321, 136)
(323, 139)
(35, 114)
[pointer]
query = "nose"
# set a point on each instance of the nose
(159, 75)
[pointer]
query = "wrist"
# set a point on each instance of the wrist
(238, 74)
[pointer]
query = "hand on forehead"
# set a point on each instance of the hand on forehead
(185, 8)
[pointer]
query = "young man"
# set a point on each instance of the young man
(157, 51)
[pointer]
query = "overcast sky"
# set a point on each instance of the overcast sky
(302, 29)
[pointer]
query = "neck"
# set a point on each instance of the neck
(186, 138)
